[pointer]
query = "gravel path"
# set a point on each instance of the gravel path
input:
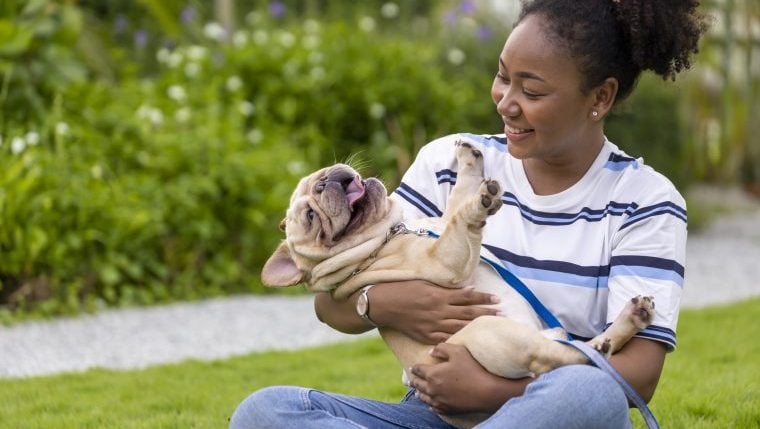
(723, 266)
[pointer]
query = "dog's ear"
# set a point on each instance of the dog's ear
(282, 225)
(280, 270)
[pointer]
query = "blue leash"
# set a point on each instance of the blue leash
(600, 362)
(552, 322)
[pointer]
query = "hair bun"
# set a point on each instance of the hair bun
(662, 34)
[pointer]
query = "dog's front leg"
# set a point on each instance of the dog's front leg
(458, 248)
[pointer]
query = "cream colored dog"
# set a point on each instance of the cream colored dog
(342, 233)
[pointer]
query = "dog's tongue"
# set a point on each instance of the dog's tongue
(355, 191)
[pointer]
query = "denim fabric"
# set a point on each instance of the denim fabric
(577, 396)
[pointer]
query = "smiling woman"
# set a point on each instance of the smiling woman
(585, 226)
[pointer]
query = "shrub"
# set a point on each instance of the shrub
(169, 184)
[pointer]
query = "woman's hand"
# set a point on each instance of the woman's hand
(459, 384)
(425, 312)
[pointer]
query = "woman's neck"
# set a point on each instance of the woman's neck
(549, 177)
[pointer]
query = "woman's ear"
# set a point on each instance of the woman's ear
(604, 96)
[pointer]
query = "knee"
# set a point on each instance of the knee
(589, 384)
(264, 406)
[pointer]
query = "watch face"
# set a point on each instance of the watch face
(361, 305)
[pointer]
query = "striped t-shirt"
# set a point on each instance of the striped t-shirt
(620, 231)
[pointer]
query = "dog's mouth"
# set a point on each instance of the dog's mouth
(355, 192)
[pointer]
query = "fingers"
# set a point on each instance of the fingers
(444, 351)
(469, 296)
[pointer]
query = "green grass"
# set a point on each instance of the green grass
(711, 381)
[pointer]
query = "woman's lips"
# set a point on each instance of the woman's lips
(515, 134)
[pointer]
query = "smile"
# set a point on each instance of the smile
(513, 130)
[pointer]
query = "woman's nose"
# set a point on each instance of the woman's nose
(507, 107)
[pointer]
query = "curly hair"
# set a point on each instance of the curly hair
(623, 38)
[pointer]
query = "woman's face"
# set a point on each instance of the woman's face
(537, 92)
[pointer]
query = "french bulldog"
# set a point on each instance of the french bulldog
(343, 232)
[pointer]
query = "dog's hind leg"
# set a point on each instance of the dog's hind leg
(635, 316)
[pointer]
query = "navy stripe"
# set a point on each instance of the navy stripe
(612, 208)
(667, 340)
(557, 266)
(648, 261)
(614, 157)
(446, 176)
(655, 210)
(417, 200)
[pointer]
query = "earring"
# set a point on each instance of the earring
(594, 113)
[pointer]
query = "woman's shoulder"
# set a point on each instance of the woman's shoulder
(639, 180)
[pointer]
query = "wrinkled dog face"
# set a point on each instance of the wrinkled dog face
(328, 213)
(331, 205)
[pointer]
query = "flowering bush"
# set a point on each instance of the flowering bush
(169, 181)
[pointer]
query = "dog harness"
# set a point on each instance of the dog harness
(551, 322)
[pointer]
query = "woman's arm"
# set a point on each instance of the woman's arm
(423, 311)
(640, 362)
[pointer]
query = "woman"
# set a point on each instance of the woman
(585, 226)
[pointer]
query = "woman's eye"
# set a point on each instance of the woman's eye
(502, 78)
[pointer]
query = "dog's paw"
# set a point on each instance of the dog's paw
(641, 310)
(469, 159)
(602, 345)
(490, 196)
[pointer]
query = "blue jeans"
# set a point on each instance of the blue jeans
(576, 396)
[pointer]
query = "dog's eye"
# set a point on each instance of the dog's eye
(310, 215)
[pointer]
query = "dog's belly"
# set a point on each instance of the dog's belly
(485, 279)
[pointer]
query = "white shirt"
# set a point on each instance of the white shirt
(620, 231)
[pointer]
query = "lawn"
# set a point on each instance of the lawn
(711, 381)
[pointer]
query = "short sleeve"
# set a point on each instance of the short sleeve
(648, 258)
(425, 186)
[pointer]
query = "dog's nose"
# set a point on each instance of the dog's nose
(340, 176)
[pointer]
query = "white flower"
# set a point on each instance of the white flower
(174, 59)
(310, 42)
(376, 110)
(234, 83)
(17, 145)
(389, 10)
(214, 31)
(296, 167)
(367, 24)
(255, 136)
(62, 128)
(96, 171)
(240, 39)
(32, 138)
(176, 93)
(246, 108)
(315, 57)
(311, 26)
(260, 37)
(287, 39)
(182, 115)
(192, 70)
(253, 18)
(317, 73)
(152, 114)
(156, 117)
(456, 56)
(196, 52)
(163, 55)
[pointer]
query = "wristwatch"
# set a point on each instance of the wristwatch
(362, 305)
